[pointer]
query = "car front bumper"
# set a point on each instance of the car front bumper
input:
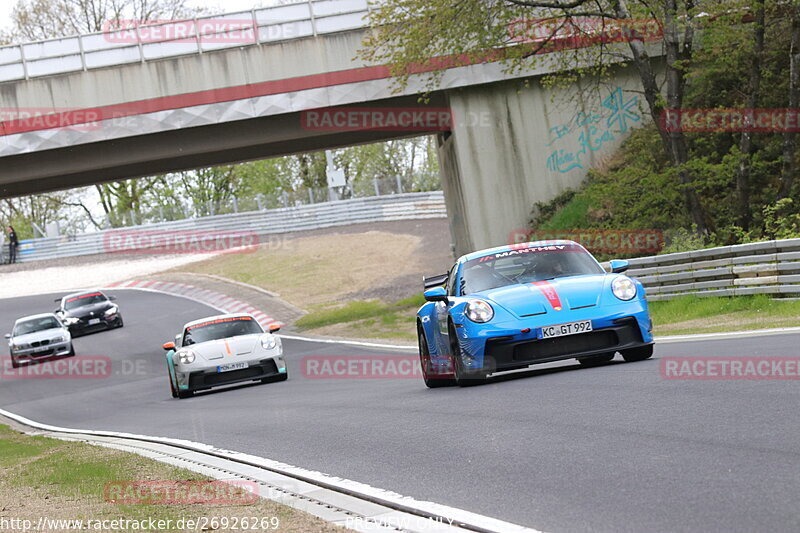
(42, 353)
(517, 344)
(196, 379)
(82, 327)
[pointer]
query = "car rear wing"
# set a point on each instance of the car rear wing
(434, 281)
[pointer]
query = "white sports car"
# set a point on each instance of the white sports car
(222, 350)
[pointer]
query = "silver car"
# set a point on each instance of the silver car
(38, 338)
(222, 350)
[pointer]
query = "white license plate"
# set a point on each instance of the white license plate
(93, 321)
(231, 366)
(570, 328)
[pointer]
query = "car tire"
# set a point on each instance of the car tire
(14, 363)
(119, 322)
(462, 377)
(183, 394)
(638, 354)
(71, 351)
(425, 364)
(596, 360)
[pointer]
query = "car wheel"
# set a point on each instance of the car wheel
(462, 377)
(71, 351)
(638, 354)
(14, 363)
(119, 322)
(183, 394)
(425, 363)
(596, 360)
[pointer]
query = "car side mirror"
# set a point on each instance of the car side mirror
(436, 294)
(57, 310)
(618, 265)
(57, 300)
(8, 335)
(112, 298)
(274, 328)
(168, 346)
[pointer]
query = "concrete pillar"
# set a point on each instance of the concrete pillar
(514, 145)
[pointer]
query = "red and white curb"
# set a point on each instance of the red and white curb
(214, 299)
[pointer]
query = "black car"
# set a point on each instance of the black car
(86, 312)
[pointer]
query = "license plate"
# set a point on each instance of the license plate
(93, 321)
(231, 366)
(570, 328)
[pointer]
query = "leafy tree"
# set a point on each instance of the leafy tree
(415, 36)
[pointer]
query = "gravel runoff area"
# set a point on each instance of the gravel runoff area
(76, 273)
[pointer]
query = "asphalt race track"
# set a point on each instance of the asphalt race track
(561, 449)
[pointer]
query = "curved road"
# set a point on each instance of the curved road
(561, 449)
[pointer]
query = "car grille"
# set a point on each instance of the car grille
(568, 344)
(45, 353)
(208, 379)
(36, 344)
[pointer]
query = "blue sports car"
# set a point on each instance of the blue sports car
(513, 306)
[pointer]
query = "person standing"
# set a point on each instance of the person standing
(13, 244)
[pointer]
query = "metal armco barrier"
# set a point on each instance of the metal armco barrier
(769, 267)
(405, 206)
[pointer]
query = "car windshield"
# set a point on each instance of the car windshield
(84, 299)
(36, 324)
(220, 328)
(526, 265)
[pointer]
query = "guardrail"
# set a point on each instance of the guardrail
(769, 267)
(405, 206)
(164, 39)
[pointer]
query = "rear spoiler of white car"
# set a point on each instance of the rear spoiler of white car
(434, 281)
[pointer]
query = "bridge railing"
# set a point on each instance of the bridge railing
(770, 267)
(408, 206)
(124, 42)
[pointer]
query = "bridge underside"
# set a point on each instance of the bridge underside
(509, 145)
(184, 149)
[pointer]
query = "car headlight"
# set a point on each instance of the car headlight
(623, 288)
(111, 310)
(185, 357)
(268, 342)
(71, 320)
(479, 311)
(58, 339)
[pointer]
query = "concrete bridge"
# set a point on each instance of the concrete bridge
(132, 102)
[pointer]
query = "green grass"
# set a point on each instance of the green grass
(572, 216)
(66, 480)
(723, 314)
(366, 319)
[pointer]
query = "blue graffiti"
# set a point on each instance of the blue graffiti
(621, 110)
(596, 129)
(562, 161)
